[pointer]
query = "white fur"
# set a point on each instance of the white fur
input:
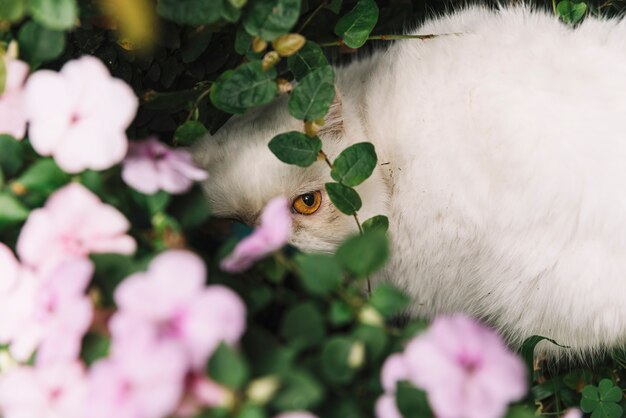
(506, 182)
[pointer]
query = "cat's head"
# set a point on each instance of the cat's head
(244, 175)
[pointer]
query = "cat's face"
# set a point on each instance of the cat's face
(244, 175)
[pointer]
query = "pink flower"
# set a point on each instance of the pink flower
(171, 302)
(386, 407)
(53, 391)
(394, 370)
(465, 368)
(270, 236)
(296, 414)
(73, 223)
(54, 313)
(49, 312)
(151, 166)
(201, 392)
(140, 380)
(12, 116)
(573, 413)
(79, 115)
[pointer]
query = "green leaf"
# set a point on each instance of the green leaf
(245, 87)
(319, 273)
(39, 44)
(251, 411)
(609, 392)
(303, 325)
(94, 348)
(299, 391)
(520, 412)
(309, 58)
(313, 95)
(364, 254)
(412, 402)
(356, 25)
(271, 18)
(334, 360)
(54, 14)
(345, 198)
(43, 176)
(12, 10)
(190, 12)
(12, 155)
(190, 209)
(335, 6)
(295, 148)
(195, 42)
(340, 313)
(355, 164)
(571, 12)
(11, 210)
(376, 223)
(228, 368)
(189, 132)
(527, 351)
(388, 300)
(243, 42)
(375, 340)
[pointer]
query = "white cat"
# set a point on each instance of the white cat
(502, 169)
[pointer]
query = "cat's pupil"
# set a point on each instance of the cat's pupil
(308, 199)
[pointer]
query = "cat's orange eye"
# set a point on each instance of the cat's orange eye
(308, 203)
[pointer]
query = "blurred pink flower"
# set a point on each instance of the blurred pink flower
(61, 315)
(201, 392)
(270, 236)
(573, 413)
(151, 166)
(465, 368)
(79, 115)
(171, 302)
(17, 293)
(12, 116)
(386, 407)
(52, 391)
(296, 414)
(144, 379)
(395, 369)
(73, 223)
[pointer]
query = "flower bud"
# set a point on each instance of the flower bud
(311, 128)
(284, 86)
(270, 60)
(356, 355)
(258, 44)
(370, 316)
(287, 45)
(261, 390)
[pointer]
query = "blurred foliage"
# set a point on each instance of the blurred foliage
(312, 335)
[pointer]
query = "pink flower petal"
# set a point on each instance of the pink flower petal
(270, 236)
(386, 407)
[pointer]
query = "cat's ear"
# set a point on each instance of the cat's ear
(333, 121)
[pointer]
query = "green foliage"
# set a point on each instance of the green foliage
(570, 11)
(12, 211)
(245, 87)
(54, 14)
(12, 155)
(227, 367)
(602, 400)
(320, 274)
(378, 222)
(355, 164)
(345, 198)
(412, 402)
(189, 132)
(295, 148)
(362, 255)
(269, 19)
(313, 95)
(303, 325)
(309, 58)
(39, 44)
(12, 10)
(388, 300)
(356, 25)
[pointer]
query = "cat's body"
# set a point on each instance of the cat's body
(502, 169)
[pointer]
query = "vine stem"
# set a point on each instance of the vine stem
(196, 103)
(340, 42)
(354, 215)
(312, 15)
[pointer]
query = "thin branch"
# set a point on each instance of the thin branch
(312, 15)
(389, 38)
